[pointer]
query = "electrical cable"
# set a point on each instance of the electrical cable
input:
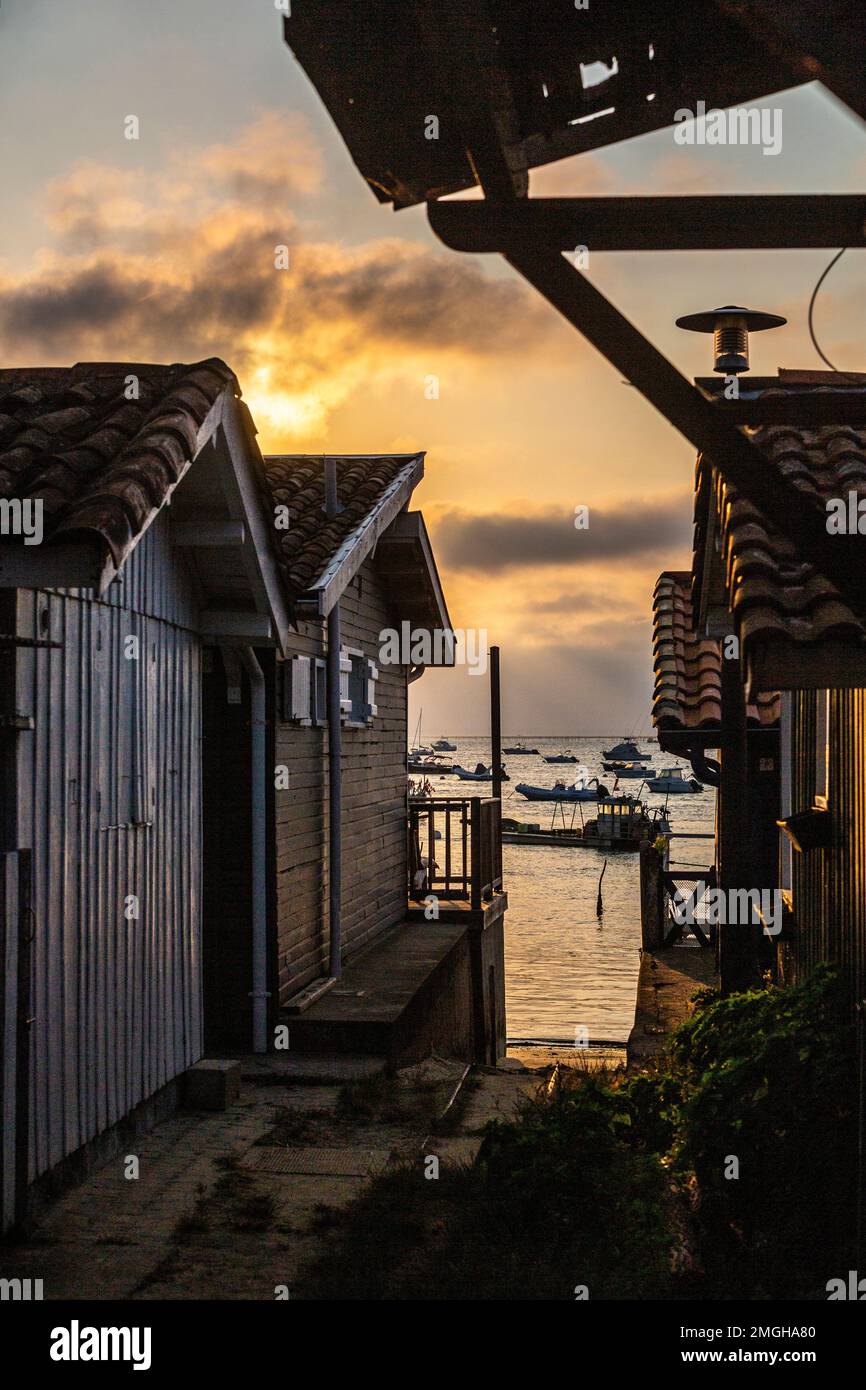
(823, 356)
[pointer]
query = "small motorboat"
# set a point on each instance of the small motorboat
(441, 745)
(560, 758)
(585, 788)
(519, 750)
(428, 763)
(627, 752)
(481, 774)
(672, 780)
(629, 769)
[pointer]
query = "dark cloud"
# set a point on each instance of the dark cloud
(384, 295)
(490, 542)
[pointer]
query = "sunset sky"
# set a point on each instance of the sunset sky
(162, 249)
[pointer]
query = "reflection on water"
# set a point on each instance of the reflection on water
(566, 969)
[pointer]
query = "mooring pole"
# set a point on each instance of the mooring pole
(495, 723)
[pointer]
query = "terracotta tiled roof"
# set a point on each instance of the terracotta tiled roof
(102, 464)
(772, 591)
(688, 684)
(312, 542)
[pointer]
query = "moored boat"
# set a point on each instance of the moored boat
(672, 780)
(567, 757)
(584, 788)
(481, 774)
(627, 751)
(519, 749)
(629, 769)
(428, 763)
(441, 745)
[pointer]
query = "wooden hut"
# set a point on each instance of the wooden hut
(167, 737)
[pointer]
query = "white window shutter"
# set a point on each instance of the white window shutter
(345, 671)
(300, 709)
(372, 677)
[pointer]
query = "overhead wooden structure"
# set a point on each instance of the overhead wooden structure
(433, 99)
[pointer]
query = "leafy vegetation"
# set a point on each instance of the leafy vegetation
(728, 1171)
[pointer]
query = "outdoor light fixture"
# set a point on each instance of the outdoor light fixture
(730, 326)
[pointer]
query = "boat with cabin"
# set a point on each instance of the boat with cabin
(627, 751)
(672, 781)
(441, 745)
(629, 769)
(621, 823)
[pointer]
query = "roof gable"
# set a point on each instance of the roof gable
(102, 463)
(318, 556)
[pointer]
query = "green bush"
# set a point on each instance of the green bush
(769, 1078)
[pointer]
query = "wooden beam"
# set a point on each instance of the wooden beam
(237, 626)
(739, 461)
(208, 534)
(705, 223)
(464, 51)
(822, 43)
(811, 411)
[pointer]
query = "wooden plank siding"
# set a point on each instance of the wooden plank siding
(108, 798)
(829, 885)
(374, 804)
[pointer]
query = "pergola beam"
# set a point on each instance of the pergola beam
(740, 462)
(704, 223)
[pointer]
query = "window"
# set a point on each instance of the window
(358, 678)
(822, 748)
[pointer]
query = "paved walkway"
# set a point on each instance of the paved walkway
(205, 1220)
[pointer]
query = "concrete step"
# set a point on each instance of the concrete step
(406, 996)
(310, 1069)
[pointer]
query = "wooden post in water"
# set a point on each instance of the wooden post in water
(495, 722)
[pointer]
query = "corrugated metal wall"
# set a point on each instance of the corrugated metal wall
(829, 885)
(109, 801)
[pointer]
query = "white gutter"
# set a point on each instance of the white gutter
(258, 776)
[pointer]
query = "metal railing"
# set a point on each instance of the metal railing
(455, 847)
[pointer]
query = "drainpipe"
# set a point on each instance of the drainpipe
(335, 754)
(259, 875)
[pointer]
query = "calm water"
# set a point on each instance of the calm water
(565, 968)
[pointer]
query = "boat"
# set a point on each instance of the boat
(441, 745)
(560, 758)
(622, 823)
(585, 788)
(428, 763)
(627, 751)
(672, 780)
(519, 750)
(481, 774)
(629, 769)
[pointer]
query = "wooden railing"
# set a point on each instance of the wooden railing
(465, 860)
